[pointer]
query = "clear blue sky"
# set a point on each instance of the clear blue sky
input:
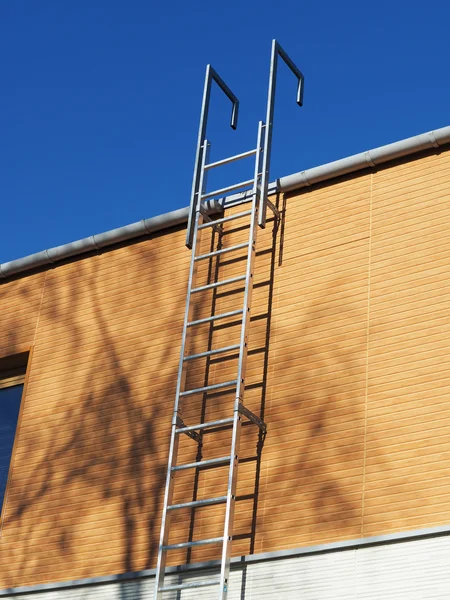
(100, 99)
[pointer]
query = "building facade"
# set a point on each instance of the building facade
(349, 364)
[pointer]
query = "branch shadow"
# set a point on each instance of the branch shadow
(95, 435)
(99, 406)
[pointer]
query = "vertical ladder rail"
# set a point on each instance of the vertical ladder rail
(177, 414)
(277, 50)
(240, 386)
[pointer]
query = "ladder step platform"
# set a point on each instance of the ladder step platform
(213, 352)
(217, 284)
(223, 460)
(218, 540)
(222, 251)
(245, 213)
(189, 585)
(198, 503)
(210, 388)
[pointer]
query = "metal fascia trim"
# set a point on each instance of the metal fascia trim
(363, 160)
(26, 263)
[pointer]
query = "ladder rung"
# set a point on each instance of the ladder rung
(198, 503)
(244, 213)
(203, 463)
(208, 388)
(212, 352)
(223, 251)
(229, 188)
(211, 286)
(232, 313)
(208, 425)
(230, 159)
(192, 544)
(188, 585)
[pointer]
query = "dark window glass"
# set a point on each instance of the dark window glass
(9, 413)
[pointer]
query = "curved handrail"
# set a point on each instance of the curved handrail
(210, 76)
(277, 51)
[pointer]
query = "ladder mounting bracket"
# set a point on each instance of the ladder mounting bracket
(208, 219)
(274, 209)
(253, 418)
(192, 434)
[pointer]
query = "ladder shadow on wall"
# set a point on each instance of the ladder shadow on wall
(210, 482)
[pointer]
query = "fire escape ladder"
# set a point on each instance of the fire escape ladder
(232, 389)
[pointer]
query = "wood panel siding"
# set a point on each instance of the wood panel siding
(349, 359)
(408, 424)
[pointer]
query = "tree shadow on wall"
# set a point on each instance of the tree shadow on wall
(96, 419)
(91, 431)
(97, 416)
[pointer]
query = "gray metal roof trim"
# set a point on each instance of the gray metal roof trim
(94, 242)
(357, 162)
(364, 160)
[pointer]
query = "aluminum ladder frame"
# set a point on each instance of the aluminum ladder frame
(198, 222)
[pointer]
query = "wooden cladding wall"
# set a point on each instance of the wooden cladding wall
(349, 357)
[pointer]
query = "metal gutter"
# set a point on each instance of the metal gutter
(241, 561)
(99, 241)
(351, 164)
(94, 242)
(364, 160)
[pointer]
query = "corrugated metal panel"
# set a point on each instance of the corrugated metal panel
(412, 570)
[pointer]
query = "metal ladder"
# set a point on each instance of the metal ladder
(200, 222)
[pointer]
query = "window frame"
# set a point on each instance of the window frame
(6, 382)
(10, 378)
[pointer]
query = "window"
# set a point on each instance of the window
(12, 377)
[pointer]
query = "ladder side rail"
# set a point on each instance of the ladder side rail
(193, 269)
(176, 419)
(277, 51)
(210, 76)
(240, 385)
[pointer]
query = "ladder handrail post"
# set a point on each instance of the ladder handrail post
(277, 51)
(210, 76)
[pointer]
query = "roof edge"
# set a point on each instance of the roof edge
(94, 242)
(364, 160)
(337, 168)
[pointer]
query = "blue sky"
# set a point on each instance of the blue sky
(100, 99)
